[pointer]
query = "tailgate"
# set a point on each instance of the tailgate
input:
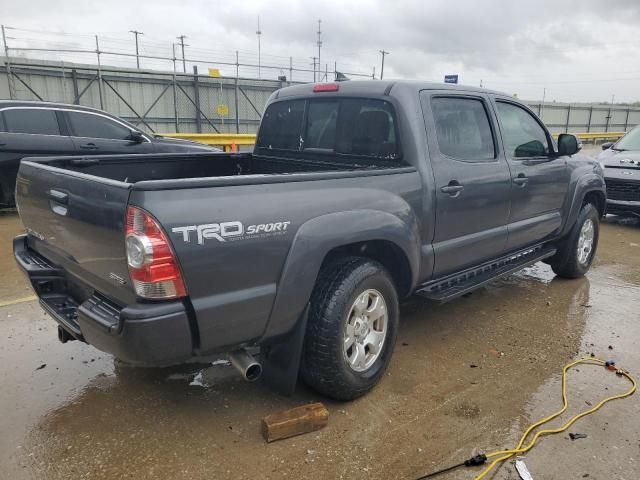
(76, 221)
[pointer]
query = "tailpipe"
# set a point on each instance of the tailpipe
(64, 336)
(246, 364)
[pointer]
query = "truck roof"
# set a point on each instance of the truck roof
(380, 87)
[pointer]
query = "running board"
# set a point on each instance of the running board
(458, 284)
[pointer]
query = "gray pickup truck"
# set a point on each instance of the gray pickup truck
(356, 195)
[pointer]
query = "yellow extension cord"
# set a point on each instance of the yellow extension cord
(507, 454)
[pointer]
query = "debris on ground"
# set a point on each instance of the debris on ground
(523, 471)
(294, 421)
(496, 353)
(41, 366)
(576, 436)
(198, 381)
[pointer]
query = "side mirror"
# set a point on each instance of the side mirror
(567, 144)
(136, 136)
(607, 145)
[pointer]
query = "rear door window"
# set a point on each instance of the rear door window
(463, 129)
(96, 126)
(31, 120)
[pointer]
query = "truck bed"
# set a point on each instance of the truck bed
(138, 168)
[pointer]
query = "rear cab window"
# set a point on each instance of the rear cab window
(341, 127)
(35, 121)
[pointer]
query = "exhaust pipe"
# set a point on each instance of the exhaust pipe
(249, 367)
(64, 336)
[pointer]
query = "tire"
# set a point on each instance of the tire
(329, 368)
(567, 263)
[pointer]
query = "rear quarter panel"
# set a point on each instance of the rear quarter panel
(232, 284)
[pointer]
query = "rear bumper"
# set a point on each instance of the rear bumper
(153, 334)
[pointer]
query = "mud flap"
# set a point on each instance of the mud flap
(281, 360)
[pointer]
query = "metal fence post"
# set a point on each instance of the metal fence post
(175, 91)
(196, 94)
(626, 121)
(566, 127)
(606, 128)
(290, 70)
(74, 81)
(589, 121)
(236, 93)
(12, 87)
(99, 75)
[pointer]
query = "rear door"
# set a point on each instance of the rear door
(472, 180)
(28, 132)
(540, 179)
(93, 133)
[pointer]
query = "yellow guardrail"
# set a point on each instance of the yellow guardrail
(230, 142)
(596, 135)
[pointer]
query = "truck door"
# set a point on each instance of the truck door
(540, 179)
(472, 180)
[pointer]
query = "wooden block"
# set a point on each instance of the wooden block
(294, 421)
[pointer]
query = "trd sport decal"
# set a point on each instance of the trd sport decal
(229, 231)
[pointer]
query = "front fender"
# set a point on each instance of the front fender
(316, 238)
(586, 183)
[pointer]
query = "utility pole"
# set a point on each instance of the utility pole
(136, 33)
(314, 68)
(12, 86)
(383, 52)
(259, 34)
(319, 45)
(182, 45)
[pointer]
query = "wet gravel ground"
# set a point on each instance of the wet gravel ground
(469, 375)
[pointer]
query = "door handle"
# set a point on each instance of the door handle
(454, 188)
(521, 180)
(58, 197)
(58, 201)
(89, 146)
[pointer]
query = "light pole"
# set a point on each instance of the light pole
(182, 45)
(136, 33)
(319, 45)
(382, 67)
(259, 34)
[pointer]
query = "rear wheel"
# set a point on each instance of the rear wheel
(352, 327)
(576, 254)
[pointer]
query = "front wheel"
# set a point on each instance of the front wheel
(352, 328)
(575, 256)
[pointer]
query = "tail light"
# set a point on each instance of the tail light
(325, 87)
(153, 267)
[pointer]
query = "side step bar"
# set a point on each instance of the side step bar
(448, 288)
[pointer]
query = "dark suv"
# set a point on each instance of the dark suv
(31, 129)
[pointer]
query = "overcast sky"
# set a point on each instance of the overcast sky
(579, 50)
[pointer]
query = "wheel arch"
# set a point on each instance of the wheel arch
(378, 235)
